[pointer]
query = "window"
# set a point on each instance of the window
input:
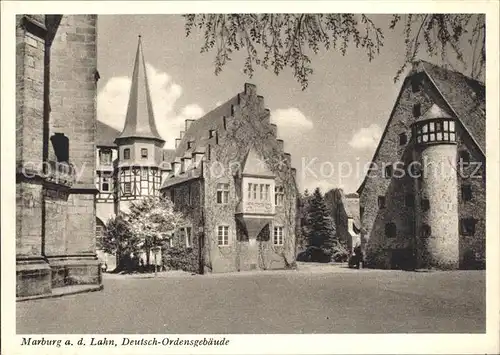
(468, 226)
(388, 172)
(425, 231)
(106, 184)
(409, 200)
(60, 144)
(261, 195)
(186, 232)
(126, 153)
(144, 173)
(425, 204)
(279, 195)
(403, 139)
(437, 130)
(415, 84)
(416, 110)
(390, 230)
(266, 192)
(211, 133)
(466, 192)
(105, 156)
(249, 191)
(190, 144)
(278, 235)
(144, 152)
(223, 235)
(127, 188)
(222, 193)
(381, 202)
(254, 191)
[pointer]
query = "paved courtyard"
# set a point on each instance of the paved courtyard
(307, 301)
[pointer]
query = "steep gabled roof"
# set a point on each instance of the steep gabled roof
(464, 96)
(105, 135)
(140, 120)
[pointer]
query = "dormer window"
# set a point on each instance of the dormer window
(105, 156)
(126, 153)
(190, 144)
(144, 153)
(211, 133)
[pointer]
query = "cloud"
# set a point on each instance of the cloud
(112, 103)
(366, 138)
(290, 121)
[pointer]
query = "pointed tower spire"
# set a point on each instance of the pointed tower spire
(140, 121)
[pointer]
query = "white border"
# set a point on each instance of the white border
(257, 344)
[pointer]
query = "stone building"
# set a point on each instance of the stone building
(234, 182)
(423, 202)
(344, 209)
(56, 78)
(129, 163)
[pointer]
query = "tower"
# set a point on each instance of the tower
(139, 144)
(437, 235)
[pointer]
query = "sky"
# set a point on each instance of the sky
(330, 128)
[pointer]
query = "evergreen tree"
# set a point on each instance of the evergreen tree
(320, 228)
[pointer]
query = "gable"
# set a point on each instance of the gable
(463, 96)
(254, 164)
(466, 97)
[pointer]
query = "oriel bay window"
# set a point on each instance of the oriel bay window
(440, 130)
(259, 192)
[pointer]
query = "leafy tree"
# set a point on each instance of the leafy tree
(279, 41)
(149, 218)
(118, 239)
(321, 231)
(303, 232)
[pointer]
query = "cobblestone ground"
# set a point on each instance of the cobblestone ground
(312, 300)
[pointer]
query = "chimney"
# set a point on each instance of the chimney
(188, 123)
(177, 142)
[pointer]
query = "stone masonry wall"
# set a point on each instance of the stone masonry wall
(475, 208)
(73, 108)
(248, 127)
(378, 248)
